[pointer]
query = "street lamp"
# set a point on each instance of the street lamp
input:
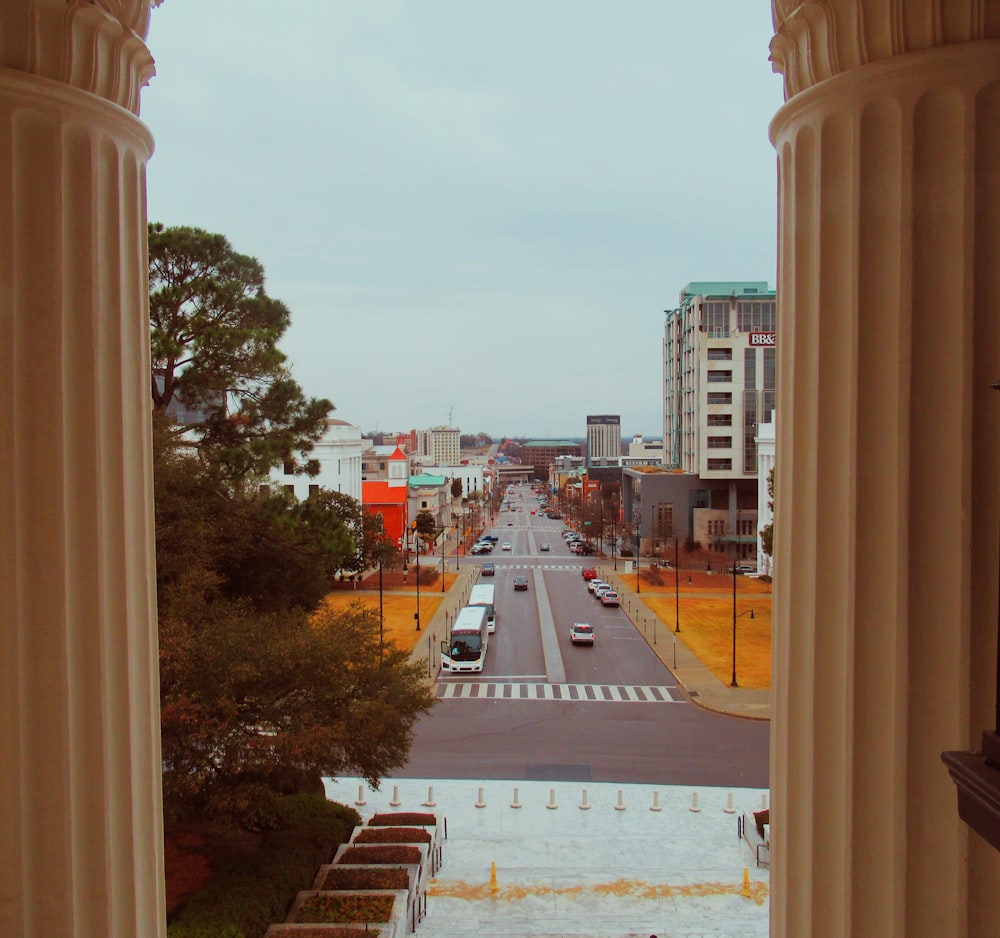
(416, 547)
(443, 534)
(733, 683)
(637, 542)
(677, 590)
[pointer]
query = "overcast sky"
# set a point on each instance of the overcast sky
(477, 211)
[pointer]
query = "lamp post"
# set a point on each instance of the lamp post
(444, 531)
(677, 590)
(416, 547)
(733, 683)
(637, 542)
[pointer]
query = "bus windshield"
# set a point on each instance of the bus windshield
(466, 646)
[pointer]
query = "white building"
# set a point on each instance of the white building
(719, 369)
(765, 465)
(336, 459)
(604, 437)
(439, 446)
(643, 449)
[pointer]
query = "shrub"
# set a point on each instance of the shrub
(392, 835)
(378, 877)
(249, 894)
(403, 817)
(337, 908)
(381, 854)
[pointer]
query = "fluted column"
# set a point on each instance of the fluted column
(80, 815)
(888, 460)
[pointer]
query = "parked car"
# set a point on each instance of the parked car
(743, 568)
(581, 633)
(594, 583)
(599, 591)
(609, 598)
(520, 582)
(488, 569)
(589, 573)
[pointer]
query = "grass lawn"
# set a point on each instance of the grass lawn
(706, 615)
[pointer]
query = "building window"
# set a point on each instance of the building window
(749, 368)
(720, 377)
(756, 316)
(720, 354)
(720, 397)
(720, 420)
(720, 442)
(720, 465)
(290, 489)
(313, 467)
(290, 468)
(313, 490)
(715, 320)
(664, 521)
(749, 431)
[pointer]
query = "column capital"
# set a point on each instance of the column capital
(96, 46)
(817, 39)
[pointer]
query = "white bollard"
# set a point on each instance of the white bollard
(516, 803)
(621, 801)
(361, 796)
(729, 809)
(763, 802)
(395, 803)
(552, 800)
(430, 802)
(481, 803)
(694, 803)
(584, 805)
(656, 802)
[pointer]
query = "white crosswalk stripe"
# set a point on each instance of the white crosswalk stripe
(597, 693)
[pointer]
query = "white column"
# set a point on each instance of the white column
(887, 463)
(80, 825)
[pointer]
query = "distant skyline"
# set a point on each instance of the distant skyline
(476, 212)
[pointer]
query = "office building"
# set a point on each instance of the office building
(604, 437)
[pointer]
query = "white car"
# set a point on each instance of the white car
(609, 598)
(599, 591)
(581, 633)
(505, 545)
(594, 583)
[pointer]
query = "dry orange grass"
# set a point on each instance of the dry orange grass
(706, 620)
(398, 624)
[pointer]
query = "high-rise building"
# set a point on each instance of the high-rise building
(718, 377)
(439, 446)
(604, 437)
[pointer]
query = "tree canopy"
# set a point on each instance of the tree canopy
(259, 692)
(214, 335)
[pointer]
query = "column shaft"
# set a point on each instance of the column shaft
(80, 830)
(887, 495)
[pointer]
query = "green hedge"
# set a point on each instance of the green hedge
(245, 898)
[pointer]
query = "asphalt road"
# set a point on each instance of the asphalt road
(545, 709)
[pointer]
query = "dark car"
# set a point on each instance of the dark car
(520, 582)
(488, 569)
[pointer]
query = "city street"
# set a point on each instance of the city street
(545, 709)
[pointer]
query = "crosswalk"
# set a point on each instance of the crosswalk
(596, 693)
(502, 563)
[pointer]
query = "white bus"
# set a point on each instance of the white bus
(483, 594)
(465, 649)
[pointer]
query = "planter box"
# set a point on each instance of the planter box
(396, 926)
(291, 930)
(416, 904)
(412, 819)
